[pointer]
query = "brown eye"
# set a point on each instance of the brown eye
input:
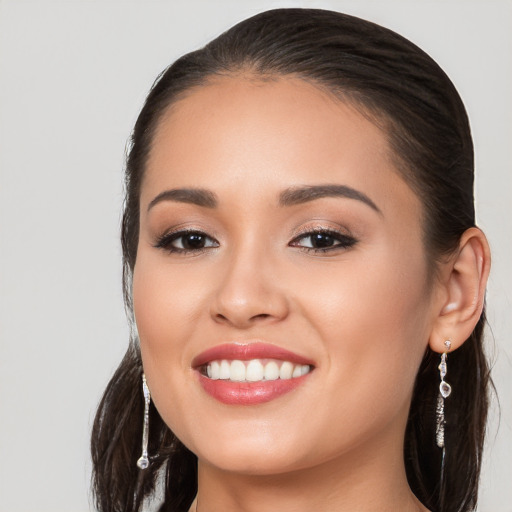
(323, 240)
(186, 241)
(191, 241)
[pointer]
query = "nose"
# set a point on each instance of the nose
(249, 291)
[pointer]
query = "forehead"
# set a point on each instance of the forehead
(258, 136)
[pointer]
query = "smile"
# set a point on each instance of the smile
(249, 374)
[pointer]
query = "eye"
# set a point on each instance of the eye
(186, 241)
(323, 240)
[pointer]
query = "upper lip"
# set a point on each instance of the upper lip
(248, 351)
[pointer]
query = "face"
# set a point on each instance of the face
(281, 300)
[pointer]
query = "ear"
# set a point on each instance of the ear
(463, 282)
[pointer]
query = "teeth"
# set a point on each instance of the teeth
(214, 370)
(224, 372)
(271, 371)
(237, 371)
(254, 370)
(286, 370)
(297, 371)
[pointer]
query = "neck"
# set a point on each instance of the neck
(368, 479)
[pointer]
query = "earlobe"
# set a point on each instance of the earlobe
(464, 284)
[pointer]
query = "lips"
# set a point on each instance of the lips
(246, 352)
(221, 372)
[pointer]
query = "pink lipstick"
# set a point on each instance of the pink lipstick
(250, 373)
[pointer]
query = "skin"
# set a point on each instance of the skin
(364, 314)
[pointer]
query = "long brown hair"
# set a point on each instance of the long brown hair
(402, 89)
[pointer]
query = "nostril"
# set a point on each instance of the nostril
(238, 320)
(261, 315)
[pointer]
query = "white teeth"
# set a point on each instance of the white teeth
(224, 371)
(214, 370)
(271, 371)
(297, 371)
(254, 370)
(237, 371)
(286, 370)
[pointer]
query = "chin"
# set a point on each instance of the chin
(250, 463)
(250, 454)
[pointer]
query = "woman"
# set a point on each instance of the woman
(306, 280)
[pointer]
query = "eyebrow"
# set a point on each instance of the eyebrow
(304, 194)
(198, 196)
(289, 197)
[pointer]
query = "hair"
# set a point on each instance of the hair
(402, 90)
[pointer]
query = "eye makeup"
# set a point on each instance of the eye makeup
(194, 241)
(322, 240)
(186, 241)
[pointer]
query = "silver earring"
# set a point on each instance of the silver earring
(143, 461)
(444, 392)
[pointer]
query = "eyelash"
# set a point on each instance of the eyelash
(344, 241)
(165, 241)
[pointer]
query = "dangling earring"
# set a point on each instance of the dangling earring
(143, 461)
(444, 392)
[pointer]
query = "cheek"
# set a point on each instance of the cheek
(373, 318)
(171, 310)
(165, 302)
(163, 319)
(375, 296)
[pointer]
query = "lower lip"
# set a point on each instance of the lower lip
(249, 393)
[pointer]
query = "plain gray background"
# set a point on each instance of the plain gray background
(73, 76)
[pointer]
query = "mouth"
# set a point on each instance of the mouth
(249, 374)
